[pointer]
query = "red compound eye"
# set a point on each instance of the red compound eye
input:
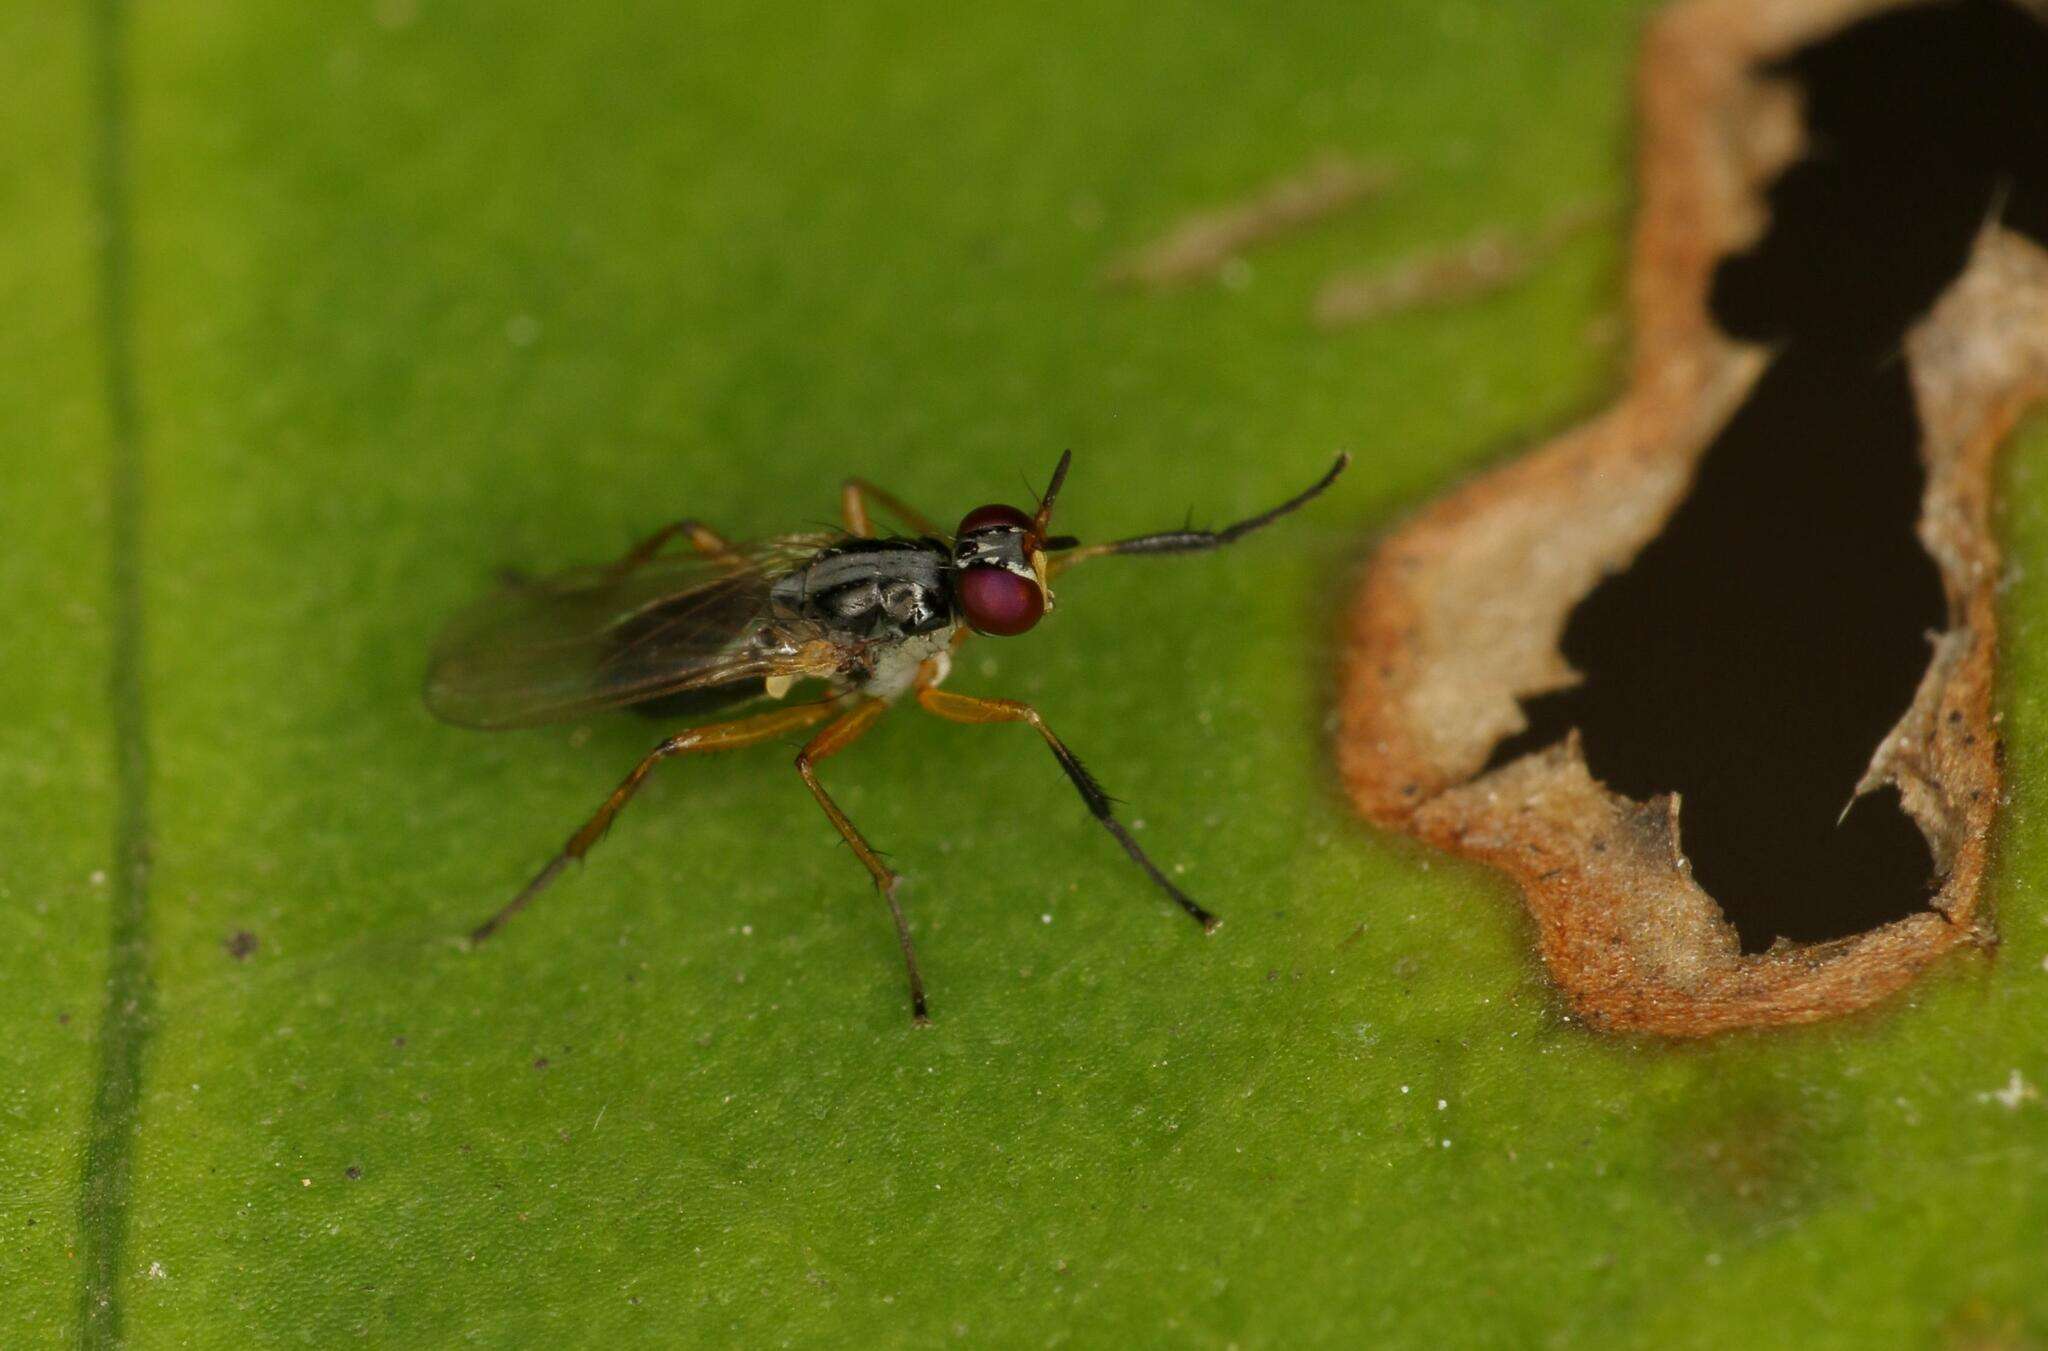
(998, 601)
(992, 517)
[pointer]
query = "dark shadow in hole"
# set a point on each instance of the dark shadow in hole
(1758, 650)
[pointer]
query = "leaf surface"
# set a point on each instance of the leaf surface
(420, 291)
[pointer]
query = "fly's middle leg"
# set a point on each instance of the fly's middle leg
(833, 739)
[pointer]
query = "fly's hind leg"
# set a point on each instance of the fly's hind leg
(831, 741)
(853, 505)
(703, 539)
(962, 708)
(717, 736)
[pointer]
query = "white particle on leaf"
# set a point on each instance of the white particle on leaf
(2016, 1091)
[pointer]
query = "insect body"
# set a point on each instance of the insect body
(713, 625)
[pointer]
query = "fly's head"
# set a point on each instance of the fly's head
(999, 576)
(999, 572)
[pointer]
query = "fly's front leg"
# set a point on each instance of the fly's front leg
(853, 505)
(963, 708)
(718, 736)
(831, 741)
(1069, 551)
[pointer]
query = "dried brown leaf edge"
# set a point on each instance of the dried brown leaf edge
(1461, 610)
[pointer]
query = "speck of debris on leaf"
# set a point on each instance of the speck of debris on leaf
(1205, 244)
(1480, 266)
(240, 945)
(2016, 1091)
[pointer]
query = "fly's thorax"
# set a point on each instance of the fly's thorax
(878, 591)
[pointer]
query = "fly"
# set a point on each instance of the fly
(688, 624)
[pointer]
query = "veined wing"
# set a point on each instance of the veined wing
(595, 638)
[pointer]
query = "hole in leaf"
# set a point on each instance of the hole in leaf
(1766, 575)
(1765, 642)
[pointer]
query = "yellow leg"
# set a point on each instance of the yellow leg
(832, 740)
(702, 538)
(853, 505)
(963, 708)
(717, 736)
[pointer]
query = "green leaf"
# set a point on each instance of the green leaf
(420, 290)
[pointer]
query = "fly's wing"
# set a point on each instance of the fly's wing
(595, 638)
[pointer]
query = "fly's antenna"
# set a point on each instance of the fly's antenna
(1052, 492)
(1182, 541)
